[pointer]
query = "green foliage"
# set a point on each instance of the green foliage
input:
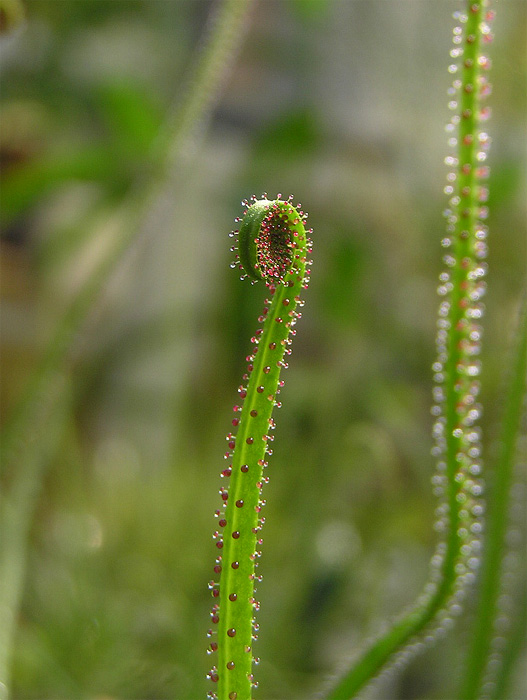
(115, 271)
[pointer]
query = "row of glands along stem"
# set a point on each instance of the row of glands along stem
(457, 439)
(271, 244)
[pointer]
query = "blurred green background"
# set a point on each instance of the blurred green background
(342, 103)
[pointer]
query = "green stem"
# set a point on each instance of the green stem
(457, 437)
(27, 426)
(497, 523)
(272, 245)
(15, 519)
(514, 648)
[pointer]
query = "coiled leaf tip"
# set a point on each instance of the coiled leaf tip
(270, 236)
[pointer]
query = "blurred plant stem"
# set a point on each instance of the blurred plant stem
(27, 439)
(513, 649)
(497, 523)
(16, 513)
(455, 371)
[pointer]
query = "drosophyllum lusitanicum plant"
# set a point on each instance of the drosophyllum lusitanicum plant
(273, 246)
